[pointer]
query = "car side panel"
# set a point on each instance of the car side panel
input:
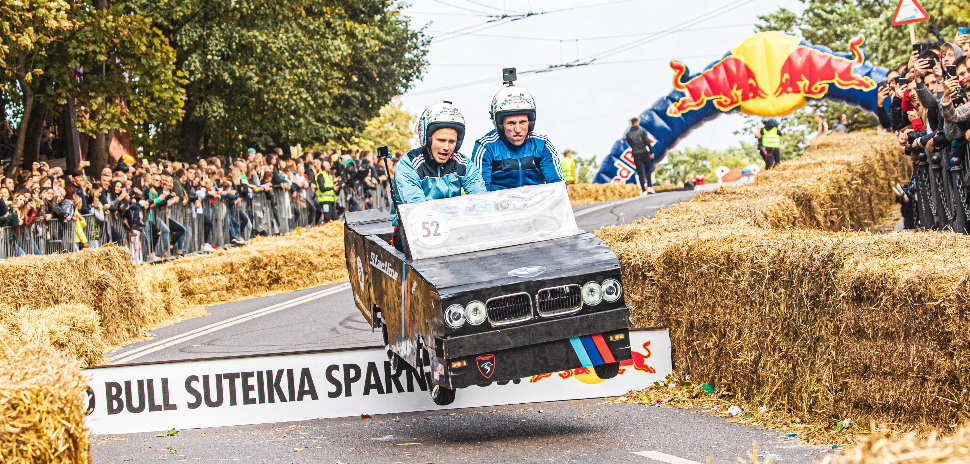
(388, 273)
(355, 249)
(426, 315)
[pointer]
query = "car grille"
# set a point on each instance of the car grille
(557, 301)
(509, 309)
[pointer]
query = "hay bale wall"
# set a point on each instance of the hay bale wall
(41, 406)
(582, 194)
(909, 450)
(101, 279)
(764, 300)
(313, 257)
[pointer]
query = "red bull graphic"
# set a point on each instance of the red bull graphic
(588, 375)
(807, 70)
(728, 83)
(625, 168)
(769, 74)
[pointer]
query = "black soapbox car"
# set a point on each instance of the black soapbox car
(494, 287)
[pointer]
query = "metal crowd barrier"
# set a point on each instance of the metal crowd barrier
(148, 232)
(942, 184)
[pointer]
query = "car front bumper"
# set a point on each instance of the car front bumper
(534, 349)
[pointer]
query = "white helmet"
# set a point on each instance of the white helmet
(442, 115)
(512, 101)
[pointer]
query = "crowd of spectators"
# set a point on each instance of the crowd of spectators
(925, 103)
(154, 207)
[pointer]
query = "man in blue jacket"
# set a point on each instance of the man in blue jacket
(435, 170)
(512, 155)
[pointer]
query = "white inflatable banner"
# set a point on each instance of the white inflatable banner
(328, 384)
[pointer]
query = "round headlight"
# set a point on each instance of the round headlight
(592, 293)
(475, 312)
(455, 316)
(611, 290)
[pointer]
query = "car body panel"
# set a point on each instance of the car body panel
(412, 295)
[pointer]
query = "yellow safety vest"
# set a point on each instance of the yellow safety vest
(770, 138)
(329, 196)
(568, 170)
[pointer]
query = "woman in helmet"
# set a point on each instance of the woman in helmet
(435, 170)
(512, 155)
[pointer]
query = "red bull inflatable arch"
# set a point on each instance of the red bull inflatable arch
(769, 74)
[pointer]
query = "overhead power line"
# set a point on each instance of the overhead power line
(680, 27)
(604, 37)
(511, 17)
(613, 51)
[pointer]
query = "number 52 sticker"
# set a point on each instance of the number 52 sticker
(431, 228)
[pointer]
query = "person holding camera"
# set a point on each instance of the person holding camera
(956, 109)
(512, 155)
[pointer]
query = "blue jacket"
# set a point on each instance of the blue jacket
(418, 177)
(534, 162)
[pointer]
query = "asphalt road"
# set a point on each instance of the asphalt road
(325, 317)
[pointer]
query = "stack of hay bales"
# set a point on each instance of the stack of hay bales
(77, 302)
(41, 406)
(309, 258)
(909, 450)
(582, 194)
(766, 295)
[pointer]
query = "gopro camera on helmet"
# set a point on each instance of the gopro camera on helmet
(508, 76)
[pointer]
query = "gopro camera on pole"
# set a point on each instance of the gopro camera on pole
(512, 101)
(508, 76)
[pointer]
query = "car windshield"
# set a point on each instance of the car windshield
(488, 220)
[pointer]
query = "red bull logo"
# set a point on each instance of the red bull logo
(588, 375)
(768, 62)
(729, 83)
(625, 168)
(807, 70)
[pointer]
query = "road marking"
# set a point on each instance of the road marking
(664, 457)
(164, 343)
(607, 205)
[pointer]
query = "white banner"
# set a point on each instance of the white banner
(281, 388)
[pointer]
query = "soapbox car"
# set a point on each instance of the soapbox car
(495, 287)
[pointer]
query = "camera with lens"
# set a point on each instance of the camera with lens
(912, 136)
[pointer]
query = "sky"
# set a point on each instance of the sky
(582, 108)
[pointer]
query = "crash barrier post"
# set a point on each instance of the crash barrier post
(941, 190)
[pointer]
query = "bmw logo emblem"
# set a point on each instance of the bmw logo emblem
(530, 271)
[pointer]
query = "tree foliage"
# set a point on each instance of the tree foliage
(27, 30)
(393, 127)
(290, 71)
(699, 160)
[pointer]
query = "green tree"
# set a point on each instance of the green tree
(112, 66)
(27, 28)
(119, 70)
(700, 160)
(393, 127)
(586, 168)
(286, 71)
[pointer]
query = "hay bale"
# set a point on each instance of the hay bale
(581, 194)
(176, 289)
(909, 449)
(764, 286)
(41, 406)
(102, 279)
(74, 330)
